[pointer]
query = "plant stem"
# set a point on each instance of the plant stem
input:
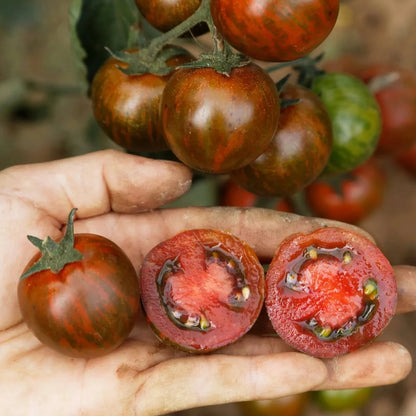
(202, 14)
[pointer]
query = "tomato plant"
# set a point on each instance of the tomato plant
(126, 106)
(355, 117)
(79, 296)
(202, 289)
(342, 400)
(292, 405)
(350, 197)
(298, 152)
(329, 292)
(210, 119)
(272, 30)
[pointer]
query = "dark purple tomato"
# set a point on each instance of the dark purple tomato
(201, 289)
(275, 30)
(89, 307)
(299, 150)
(218, 123)
(329, 292)
(126, 106)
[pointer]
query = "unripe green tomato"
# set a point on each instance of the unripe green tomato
(356, 120)
(339, 400)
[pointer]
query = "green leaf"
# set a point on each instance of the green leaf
(99, 24)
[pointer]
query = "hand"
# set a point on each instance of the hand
(116, 195)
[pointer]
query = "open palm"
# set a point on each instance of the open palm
(117, 195)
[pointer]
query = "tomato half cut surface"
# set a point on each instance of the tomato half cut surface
(202, 289)
(329, 292)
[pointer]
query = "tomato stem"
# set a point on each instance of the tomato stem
(55, 255)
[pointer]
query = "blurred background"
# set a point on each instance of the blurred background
(45, 114)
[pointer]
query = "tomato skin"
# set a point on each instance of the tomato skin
(88, 308)
(341, 400)
(126, 107)
(271, 30)
(317, 303)
(395, 91)
(184, 283)
(360, 193)
(217, 123)
(355, 117)
(166, 14)
(299, 150)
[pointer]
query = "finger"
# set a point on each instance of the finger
(200, 381)
(97, 183)
(381, 363)
(406, 288)
(262, 229)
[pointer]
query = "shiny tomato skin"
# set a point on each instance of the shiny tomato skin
(88, 308)
(355, 117)
(275, 30)
(329, 292)
(126, 107)
(360, 193)
(201, 289)
(395, 91)
(166, 14)
(298, 152)
(217, 123)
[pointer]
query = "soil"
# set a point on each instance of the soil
(35, 46)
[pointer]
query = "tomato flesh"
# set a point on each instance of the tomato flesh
(329, 292)
(202, 289)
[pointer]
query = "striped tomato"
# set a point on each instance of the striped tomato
(218, 123)
(355, 117)
(275, 30)
(83, 308)
(126, 107)
(298, 152)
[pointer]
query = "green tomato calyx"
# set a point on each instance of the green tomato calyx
(55, 254)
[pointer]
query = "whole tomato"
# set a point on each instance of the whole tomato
(356, 120)
(298, 152)
(126, 106)
(217, 123)
(88, 305)
(275, 30)
(166, 14)
(394, 88)
(350, 197)
(201, 289)
(395, 91)
(329, 292)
